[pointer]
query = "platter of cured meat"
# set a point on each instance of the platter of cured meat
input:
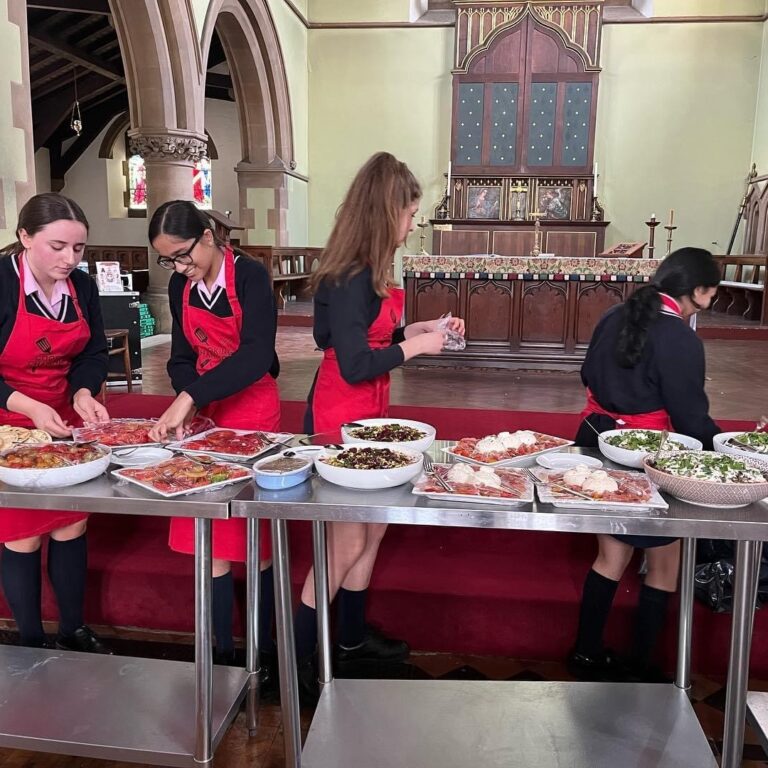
(52, 465)
(505, 448)
(605, 488)
(125, 433)
(231, 444)
(478, 485)
(183, 475)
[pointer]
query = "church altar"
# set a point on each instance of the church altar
(530, 312)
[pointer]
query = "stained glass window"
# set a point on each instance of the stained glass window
(137, 183)
(201, 183)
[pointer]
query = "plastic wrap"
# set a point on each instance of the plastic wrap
(454, 342)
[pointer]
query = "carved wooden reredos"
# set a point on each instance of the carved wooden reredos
(524, 104)
(756, 217)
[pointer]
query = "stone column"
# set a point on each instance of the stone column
(170, 157)
(17, 171)
(264, 204)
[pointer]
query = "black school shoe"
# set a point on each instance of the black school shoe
(603, 668)
(375, 647)
(83, 640)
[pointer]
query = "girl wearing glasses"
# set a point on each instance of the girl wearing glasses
(358, 311)
(223, 363)
(53, 361)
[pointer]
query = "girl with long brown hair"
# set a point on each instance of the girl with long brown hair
(358, 310)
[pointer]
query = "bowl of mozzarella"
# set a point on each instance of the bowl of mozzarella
(708, 478)
(594, 482)
(629, 447)
(465, 474)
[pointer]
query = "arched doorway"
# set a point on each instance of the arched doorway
(254, 57)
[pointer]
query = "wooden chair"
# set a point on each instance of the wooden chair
(117, 342)
(741, 291)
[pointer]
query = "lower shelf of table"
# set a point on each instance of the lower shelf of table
(757, 715)
(393, 723)
(108, 707)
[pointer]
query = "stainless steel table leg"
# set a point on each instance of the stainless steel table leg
(203, 643)
(286, 648)
(744, 594)
(325, 666)
(252, 663)
(685, 627)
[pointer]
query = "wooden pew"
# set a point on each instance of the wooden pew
(742, 289)
(289, 268)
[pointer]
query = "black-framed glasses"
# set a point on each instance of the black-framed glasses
(170, 262)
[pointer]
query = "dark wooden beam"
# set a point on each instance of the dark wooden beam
(100, 7)
(76, 56)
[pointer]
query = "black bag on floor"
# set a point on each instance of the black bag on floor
(713, 583)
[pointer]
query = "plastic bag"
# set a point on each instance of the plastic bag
(454, 342)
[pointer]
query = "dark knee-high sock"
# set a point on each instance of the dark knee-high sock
(266, 610)
(596, 601)
(22, 584)
(651, 615)
(223, 599)
(350, 614)
(68, 570)
(305, 628)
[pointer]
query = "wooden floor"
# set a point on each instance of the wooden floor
(737, 372)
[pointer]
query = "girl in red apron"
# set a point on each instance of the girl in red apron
(644, 370)
(53, 361)
(223, 364)
(358, 312)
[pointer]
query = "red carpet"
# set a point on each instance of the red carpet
(510, 593)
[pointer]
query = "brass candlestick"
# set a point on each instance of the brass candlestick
(519, 189)
(422, 225)
(670, 229)
(652, 223)
(536, 215)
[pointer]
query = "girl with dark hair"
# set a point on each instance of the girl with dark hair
(358, 310)
(53, 361)
(223, 363)
(644, 369)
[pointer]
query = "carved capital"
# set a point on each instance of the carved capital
(168, 146)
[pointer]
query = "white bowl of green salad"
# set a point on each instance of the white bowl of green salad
(709, 478)
(629, 447)
(750, 444)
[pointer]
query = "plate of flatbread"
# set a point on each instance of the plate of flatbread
(11, 436)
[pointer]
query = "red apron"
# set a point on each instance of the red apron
(335, 401)
(36, 362)
(256, 407)
(651, 420)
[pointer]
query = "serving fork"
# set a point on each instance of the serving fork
(429, 469)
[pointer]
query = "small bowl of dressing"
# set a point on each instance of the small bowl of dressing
(285, 469)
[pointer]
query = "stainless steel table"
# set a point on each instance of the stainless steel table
(118, 708)
(352, 719)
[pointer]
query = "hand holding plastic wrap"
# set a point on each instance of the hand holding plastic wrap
(454, 342)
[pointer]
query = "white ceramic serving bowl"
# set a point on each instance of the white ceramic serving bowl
(140, 457)
(707, 492)
(721, 445)
(59, 477)
(369, 479)
(563, 461)
(275, 481)
(414, 445)
(635, 459)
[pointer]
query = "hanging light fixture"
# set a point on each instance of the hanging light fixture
(76, 120)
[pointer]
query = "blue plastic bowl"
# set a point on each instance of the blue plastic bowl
(274, 481)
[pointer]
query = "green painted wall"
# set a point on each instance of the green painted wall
(374, 90)
(760, 143)
(358, 10)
